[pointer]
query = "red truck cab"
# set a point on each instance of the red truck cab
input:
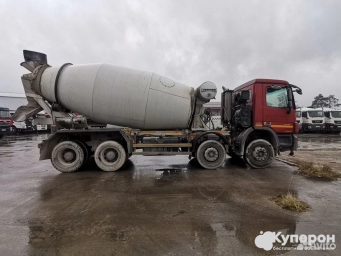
(269, 101)
(261, 110)
(5, 116)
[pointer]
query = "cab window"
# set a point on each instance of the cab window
(276, 98)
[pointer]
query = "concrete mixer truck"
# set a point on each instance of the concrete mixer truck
(156, 115)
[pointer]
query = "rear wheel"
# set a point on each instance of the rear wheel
(211, 154)
(67, 156)
(110, 156)
(85, 150)
(259, 154)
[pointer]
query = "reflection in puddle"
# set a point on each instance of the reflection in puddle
(319, 141)
(170, 175)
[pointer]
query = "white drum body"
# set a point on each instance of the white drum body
(120, 96)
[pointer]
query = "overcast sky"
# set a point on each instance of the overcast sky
(226, 42)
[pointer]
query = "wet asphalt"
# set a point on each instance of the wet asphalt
(153, 206)
(319, 141)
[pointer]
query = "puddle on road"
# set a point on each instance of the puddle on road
(170, 175)
(321, 141)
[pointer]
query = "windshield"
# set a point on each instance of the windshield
(315, 113)
(4, 113)
(298, 114)
(336, 114)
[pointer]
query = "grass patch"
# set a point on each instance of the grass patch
(318, 171)
(291, 202)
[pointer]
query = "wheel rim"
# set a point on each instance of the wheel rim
(260, 153)
(67, 156)
(110, 155)
(211, 154)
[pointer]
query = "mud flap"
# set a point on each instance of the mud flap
(46, 146)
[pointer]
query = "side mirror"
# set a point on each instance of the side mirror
(299, 91)
(290, 100)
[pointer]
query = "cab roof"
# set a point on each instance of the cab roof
(261, 81)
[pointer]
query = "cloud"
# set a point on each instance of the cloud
(227, 42)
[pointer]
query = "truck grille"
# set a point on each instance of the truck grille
(317, 121)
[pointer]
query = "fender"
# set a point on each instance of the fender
(242, 137)
(195, 141)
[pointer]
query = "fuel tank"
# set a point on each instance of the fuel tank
(120, 96)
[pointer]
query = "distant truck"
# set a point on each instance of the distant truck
(161, 116)
(4, 129)
(312, 120)
(319, 120)
(332, 120)
(6, 117)
(299, 118)
(34, 123)
(41, 122)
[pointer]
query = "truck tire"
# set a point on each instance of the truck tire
(211, 154)
(259, 154)
(85, 150)
(110, 156)
(67, 156)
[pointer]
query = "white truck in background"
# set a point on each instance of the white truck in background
(299, 118)
(41, 122)
(312, 120)
(332, 120)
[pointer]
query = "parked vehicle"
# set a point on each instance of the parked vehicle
(5, 129)
(19, 126)
(332, 120)
(312, 120)
(299, 118)
(6, 117)
(164, 117)
(41, 121)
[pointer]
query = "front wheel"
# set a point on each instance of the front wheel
(259, 154)
(211, 154)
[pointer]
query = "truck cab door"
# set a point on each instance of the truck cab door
(275, 109)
